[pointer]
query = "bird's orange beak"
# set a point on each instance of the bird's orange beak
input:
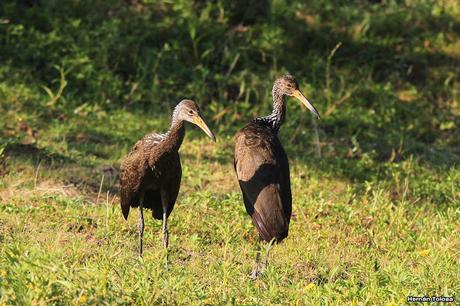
(200, 122)
(297, 94)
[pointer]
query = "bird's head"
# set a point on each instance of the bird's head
(187, 110)
(288, 86)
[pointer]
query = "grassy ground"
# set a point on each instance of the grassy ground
(366, 243)
(376, 218)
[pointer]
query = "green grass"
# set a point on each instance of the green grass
(376, 218)
(371, 246)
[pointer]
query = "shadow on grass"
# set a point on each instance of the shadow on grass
(30, 152)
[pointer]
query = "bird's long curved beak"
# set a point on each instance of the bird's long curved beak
(297, 94)
(200, 122)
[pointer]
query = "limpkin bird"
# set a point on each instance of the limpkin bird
(262, 169)
(150, 175)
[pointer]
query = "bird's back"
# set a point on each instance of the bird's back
(262, 170)
(147, 167)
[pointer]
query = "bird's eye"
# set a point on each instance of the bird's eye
(190, 112)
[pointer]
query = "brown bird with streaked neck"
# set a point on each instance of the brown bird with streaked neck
(262, 169)
(150, 175)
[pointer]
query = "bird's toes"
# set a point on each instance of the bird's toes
(254, 275)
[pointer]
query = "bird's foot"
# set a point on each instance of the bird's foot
(262, 269)
(255, 274)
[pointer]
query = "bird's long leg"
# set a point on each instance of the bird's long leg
(165, 230)
(165, 202)
(255, 271)
(267, 252)
(140, 226)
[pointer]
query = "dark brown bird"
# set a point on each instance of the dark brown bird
(262, 169)
(151, 173)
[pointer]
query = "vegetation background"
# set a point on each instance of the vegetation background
(376, 182)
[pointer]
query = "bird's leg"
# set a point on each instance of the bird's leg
(165, 237)
(267, 251)
(255, 271)
(164, 200)
(140, 226)
(165, 231)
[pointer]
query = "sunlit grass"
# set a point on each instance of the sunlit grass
(344, 245)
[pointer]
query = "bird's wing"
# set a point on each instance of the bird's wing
(130, 179)
(263, 174)
(132, 171)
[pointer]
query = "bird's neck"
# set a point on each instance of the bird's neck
(175, 135)
(276, 118)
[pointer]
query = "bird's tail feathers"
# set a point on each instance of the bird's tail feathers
(267, 232)
(125, 211)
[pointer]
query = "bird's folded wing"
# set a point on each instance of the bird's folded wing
(132, 170)
(260, 176)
